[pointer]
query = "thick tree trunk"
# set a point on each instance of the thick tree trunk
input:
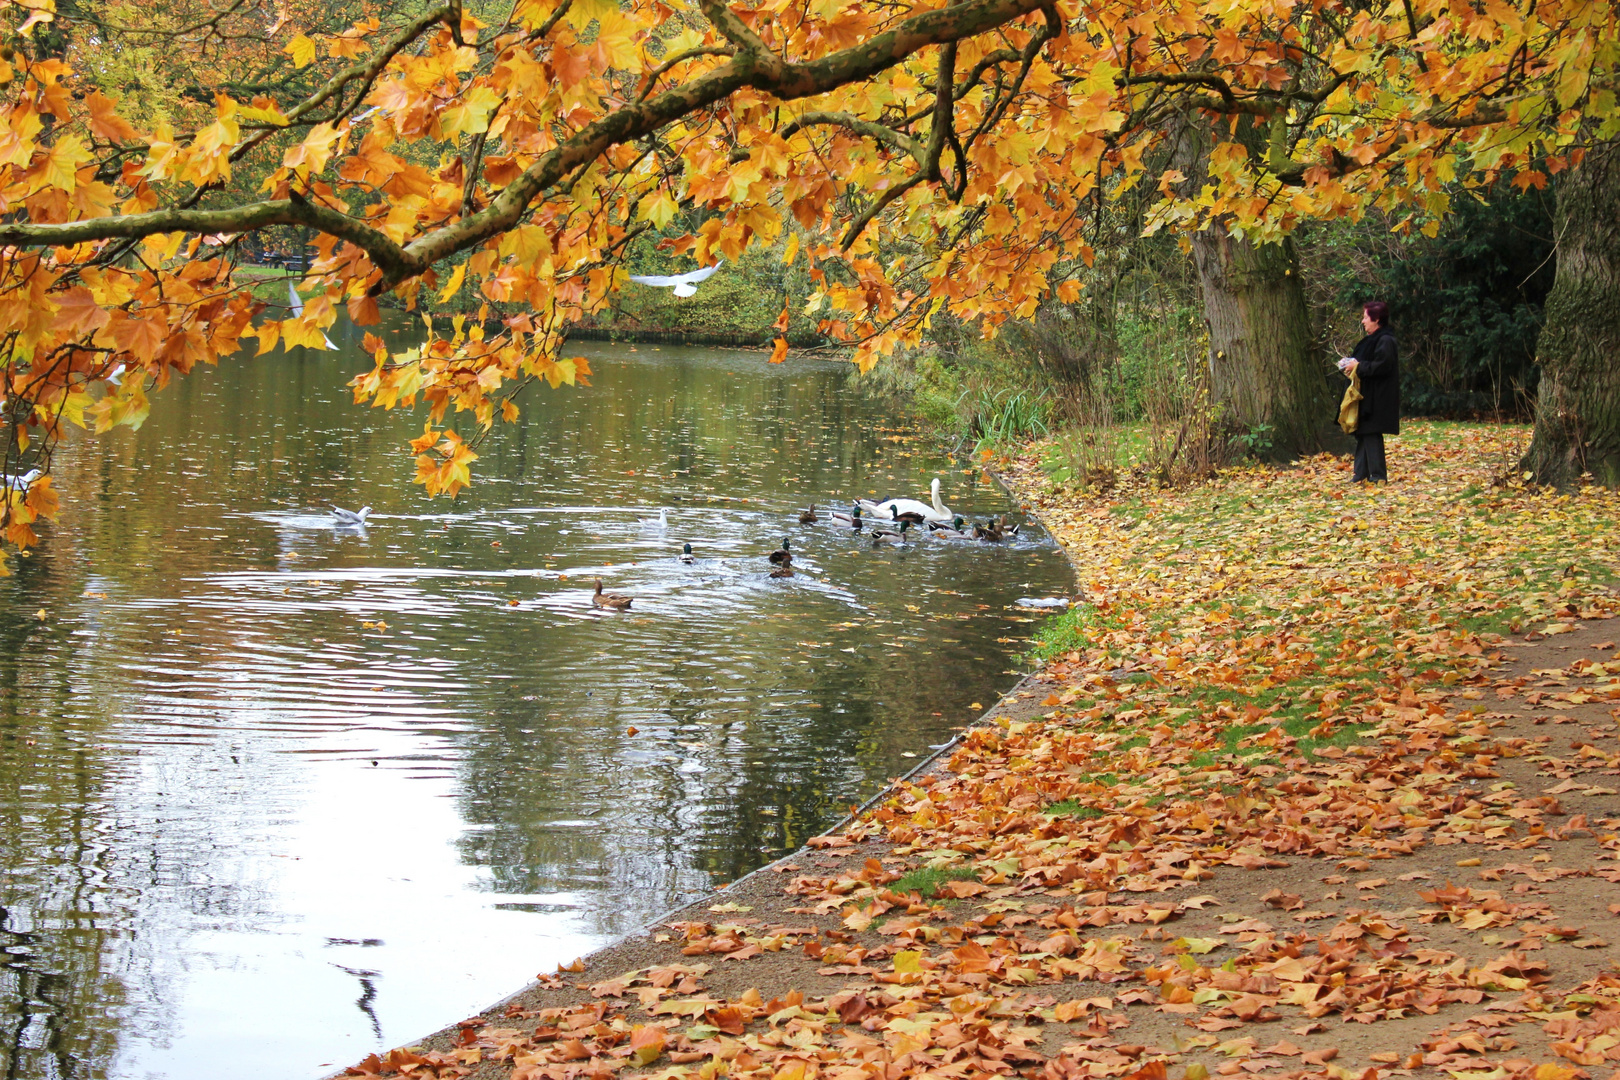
(1264, 366)
(1578, 405)
(1263, 361)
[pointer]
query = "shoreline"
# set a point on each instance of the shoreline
(635, 945)
(1223, 724)
(631, 944)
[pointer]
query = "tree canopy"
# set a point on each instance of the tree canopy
(919, 156)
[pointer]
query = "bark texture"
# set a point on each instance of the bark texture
(1262, 350)
(1263, 357)
(1578, 407)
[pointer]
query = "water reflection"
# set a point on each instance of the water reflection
(274, 794)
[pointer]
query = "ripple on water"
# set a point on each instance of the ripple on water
(274, 794)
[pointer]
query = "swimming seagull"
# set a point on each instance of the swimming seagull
(298, 309)
(685, 284)
(21, 484)
(350, 517)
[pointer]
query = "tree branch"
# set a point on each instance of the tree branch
(753, 66)
(877, 132)
(386, 255)
(680, 58)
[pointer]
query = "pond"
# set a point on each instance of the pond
(274, 794)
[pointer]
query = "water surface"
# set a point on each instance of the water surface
(274, 794)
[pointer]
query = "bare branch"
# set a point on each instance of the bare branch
(680, 58)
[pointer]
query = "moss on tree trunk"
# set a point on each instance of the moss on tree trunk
(1264, 363)
(1578, 408)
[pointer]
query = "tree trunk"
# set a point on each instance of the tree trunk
(1264, 366)
(1578, 403)
(1262, 352)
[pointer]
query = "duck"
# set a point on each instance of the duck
(782, 556)
(350, 517)
(783, 571)
(853, 518)
(889, 536)
(609, 600)
(809, 516)
(953, 531)
(686, 553)
(987, 532)
(1009, 530)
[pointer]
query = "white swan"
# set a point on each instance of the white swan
(891, 509)
(350, 517)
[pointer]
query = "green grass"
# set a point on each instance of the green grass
(926, 881)
(1003, 416)
(1346, 736)
(1124, 445)
(1070, 808)
(269, 283)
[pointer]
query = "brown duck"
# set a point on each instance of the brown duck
(611, 601)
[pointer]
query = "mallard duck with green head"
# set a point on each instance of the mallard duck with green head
(880, 537)
(852, 519)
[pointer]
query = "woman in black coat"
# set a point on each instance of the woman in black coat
(1374, 359)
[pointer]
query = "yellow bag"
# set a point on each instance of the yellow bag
(1350, 407)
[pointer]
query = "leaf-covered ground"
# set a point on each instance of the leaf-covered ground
(1318, 781)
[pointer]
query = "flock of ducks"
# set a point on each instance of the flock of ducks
(891, 522)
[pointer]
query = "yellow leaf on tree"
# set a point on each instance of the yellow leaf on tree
(302, 51)
(63, 161)
(453, 286)
(659, 208)
(471, 115)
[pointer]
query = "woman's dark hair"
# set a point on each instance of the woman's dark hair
(1377, 311)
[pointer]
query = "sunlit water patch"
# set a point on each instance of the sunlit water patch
(274, 793)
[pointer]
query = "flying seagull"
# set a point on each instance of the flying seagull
(298, 309)
(685, 284)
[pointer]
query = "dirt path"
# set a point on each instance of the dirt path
(1541, 900)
